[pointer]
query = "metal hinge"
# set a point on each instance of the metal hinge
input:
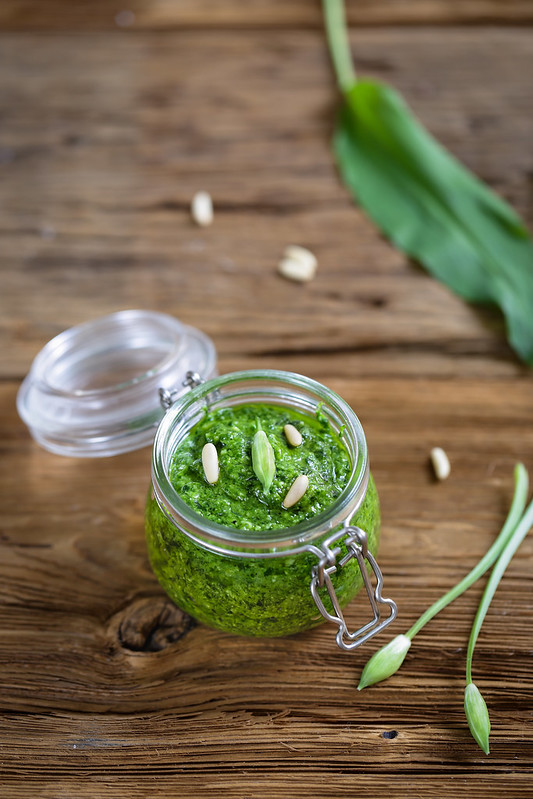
(167, 398)
(355, 541)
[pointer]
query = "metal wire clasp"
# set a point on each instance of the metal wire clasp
(356, 544)
(167, 398)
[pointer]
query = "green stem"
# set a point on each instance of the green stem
(339, 45)
(513, 518)
(503, 561)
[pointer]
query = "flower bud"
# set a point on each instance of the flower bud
(477, 716)
(385, 662)
(263, 460)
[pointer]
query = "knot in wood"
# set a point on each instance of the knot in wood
(151, 624)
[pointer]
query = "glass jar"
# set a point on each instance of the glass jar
(276, 582)
(106, 386)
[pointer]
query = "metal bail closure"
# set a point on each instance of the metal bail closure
(168, 398)
(356, 544)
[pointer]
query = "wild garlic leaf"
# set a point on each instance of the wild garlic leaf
(433, 208)
(475, 708)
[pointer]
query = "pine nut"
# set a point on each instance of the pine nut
(301, 254)
(295, 270)
(210, 463)
(202, 208)
(296, 491)
(293, 436)
(441, 464)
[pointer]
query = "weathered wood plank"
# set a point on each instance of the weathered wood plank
(295, 776)
(115, 147)
(105, 687)
(169, 14)
(206, 711)
(75, 569)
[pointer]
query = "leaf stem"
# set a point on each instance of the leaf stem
(511, 546)
(338, 43)
(508, 530)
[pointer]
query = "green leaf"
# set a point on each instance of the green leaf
(433, 209)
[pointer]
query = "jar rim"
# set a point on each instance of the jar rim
(260, 382)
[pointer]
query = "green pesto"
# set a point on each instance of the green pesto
(251, 596)
(238, 499)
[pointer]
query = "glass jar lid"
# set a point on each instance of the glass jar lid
(93, 390)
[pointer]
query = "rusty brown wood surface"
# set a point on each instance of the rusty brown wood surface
(108, 690)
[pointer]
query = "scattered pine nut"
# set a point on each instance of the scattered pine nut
(295, 270)
(301, 254)
(441, 464)
(293, 436)
(296, 491)
(210, 463)
(202, 208)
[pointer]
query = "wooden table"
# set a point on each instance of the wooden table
(109, 125)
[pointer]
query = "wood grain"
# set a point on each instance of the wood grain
(107, 689)
(169, 14)
(113, 163)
